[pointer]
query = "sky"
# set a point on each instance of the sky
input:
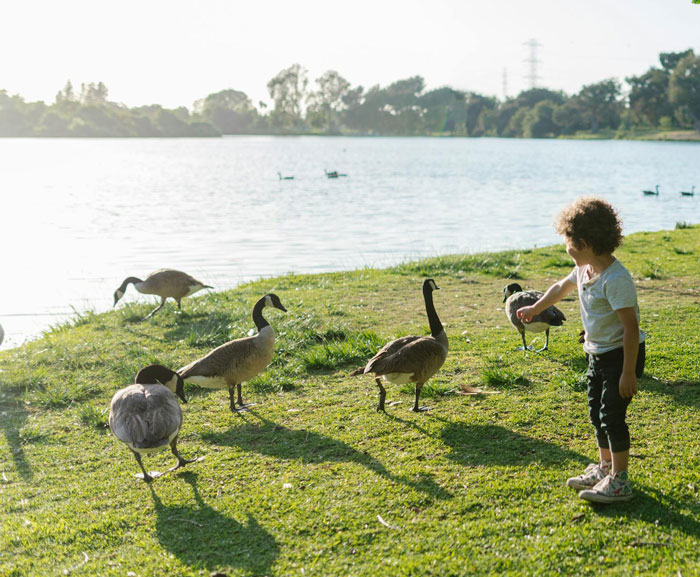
(173, 52)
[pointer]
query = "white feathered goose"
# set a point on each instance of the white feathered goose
(147, 417)
(515, 298)
(165, 283)
(410, 359)
(235, 362)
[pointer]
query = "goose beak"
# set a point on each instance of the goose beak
(180, 390)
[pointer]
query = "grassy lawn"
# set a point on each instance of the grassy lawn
(313, 481)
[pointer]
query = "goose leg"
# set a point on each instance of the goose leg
(181, 462)
(546, 342)
(231, 400)
(155, 310)
(146, 477)
(524, 347)
(382, 395)
(241, 405)
(416, 408)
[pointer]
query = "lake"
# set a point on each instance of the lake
(80, 215)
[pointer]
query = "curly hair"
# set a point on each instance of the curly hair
(593, 221)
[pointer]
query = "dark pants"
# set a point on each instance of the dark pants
(606, 407)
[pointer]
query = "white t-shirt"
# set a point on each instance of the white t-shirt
(599, 297)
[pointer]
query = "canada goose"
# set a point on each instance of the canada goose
(333, 174)
(515, 298)
(165, 283)
(651, 192)
(688, 192)
(147, 417)
(238, 361)
(284, 177)
(410, 359)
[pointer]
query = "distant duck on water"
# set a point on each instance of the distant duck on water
(284, 177)
(652, 192)
(688, 192)
(333, 173)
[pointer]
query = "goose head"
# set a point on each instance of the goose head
(119, 293)
(272, 300)
(511, 289)
(429, 284)
(158, 374)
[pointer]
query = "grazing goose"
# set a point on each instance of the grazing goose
(410, 359)
(165, 283)
(147, 417)
(515, 298)
(238, 361)
(284, 177)
(688, 192)
(651, 192)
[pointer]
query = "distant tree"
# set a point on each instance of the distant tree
(67, 94)
(684, 88)
(230, 111)
(569, 116)
(600, 104)
(13, 116)
(93, 94)
(476, 106)
(516, 124)
(288, 91)
(648, 96)
(528, 98)
(327, 102)
(445, 111)
(669, 60)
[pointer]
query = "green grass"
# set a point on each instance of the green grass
(298, 485)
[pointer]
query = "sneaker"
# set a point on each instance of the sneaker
(610, 490)
(592, 474)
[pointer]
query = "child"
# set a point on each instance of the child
(613, 341)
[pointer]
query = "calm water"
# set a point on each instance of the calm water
(78, 216)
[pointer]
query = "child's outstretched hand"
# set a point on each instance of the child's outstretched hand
(628, 385)
(525, 314)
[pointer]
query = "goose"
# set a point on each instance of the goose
(651, 192)
(165, 283)
(237, 361)
(147, 417)
(690, 192)
(410, 359)
(284, 177)
(515, 298)
(333, 174)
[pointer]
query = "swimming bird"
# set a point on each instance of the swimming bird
(333, 174)
(651, 192)
(515, 298)
(284, 177)
(165, 283)
(411, 359)
(238, 361)
(688, 192)
(147, 417)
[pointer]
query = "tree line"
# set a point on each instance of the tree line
(663, 98)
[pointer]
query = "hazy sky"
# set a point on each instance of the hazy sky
(173, 52)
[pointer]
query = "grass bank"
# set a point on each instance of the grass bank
(313, 481)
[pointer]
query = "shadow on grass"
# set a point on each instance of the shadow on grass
(684, 392)
(654, 508)
(496, 445)
(202, 537)
(272, 439)
(10, 425)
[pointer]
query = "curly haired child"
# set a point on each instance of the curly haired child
(613, 341)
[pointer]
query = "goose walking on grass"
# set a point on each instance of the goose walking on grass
(147, 417)
(652, 192)
(410, 359)
(235, 362)
(690, 192)
(515, 298)
(165, 283)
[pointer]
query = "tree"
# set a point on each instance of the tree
(445, 111)
(476, 107)
(539, 123)
(67, 94)
(230, 111)
(93, 94)
(569, 116)
(684, 88)
(649, 95)
(328, 101)
(669, 60)
(600, 104)
(288, 90)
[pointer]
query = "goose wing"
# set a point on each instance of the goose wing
(410, 355)
(231, 358)
(145, 417)
(552, 316)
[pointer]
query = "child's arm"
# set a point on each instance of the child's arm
(630, 346)
(553, 295)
